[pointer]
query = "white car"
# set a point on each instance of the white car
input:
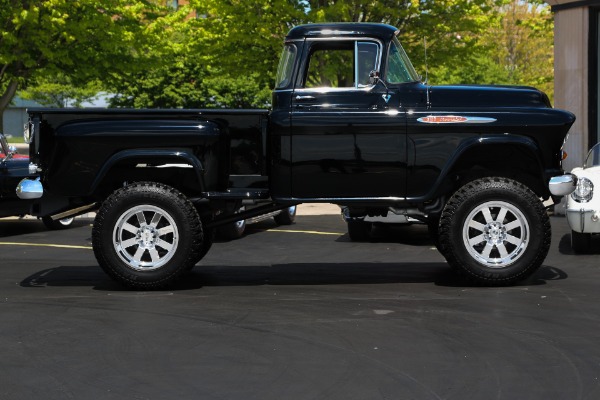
(583, 200)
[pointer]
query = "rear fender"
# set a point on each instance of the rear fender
(152, 156)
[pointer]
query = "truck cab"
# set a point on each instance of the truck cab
(328, 95)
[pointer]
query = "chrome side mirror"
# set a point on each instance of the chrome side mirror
(562, 185)
(373, 77)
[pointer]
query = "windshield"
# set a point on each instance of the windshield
(286, 67)
(593, 158)
(400, 69)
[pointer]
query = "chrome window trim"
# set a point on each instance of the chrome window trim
(380, 49)
(326, 89)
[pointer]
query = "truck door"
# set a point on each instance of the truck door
(348, 135)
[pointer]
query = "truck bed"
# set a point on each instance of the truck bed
(238, 149)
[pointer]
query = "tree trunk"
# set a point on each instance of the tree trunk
(5, 100)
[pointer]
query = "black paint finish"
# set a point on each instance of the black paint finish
(376, 145)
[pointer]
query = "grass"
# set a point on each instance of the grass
(14, 139)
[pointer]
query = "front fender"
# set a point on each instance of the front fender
(487, 149)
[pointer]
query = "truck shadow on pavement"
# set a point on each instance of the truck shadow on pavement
(309, 274)
(22, 226)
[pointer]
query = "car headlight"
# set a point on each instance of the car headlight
(584, 190)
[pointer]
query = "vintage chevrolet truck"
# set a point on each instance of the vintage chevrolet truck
(351, 123)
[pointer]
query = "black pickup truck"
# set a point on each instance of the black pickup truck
(351, 123)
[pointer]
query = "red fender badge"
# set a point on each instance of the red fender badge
(455, 119)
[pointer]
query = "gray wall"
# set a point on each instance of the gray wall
(14, 120)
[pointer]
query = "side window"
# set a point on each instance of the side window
(331, 65)
(286, 66)
(341, 64)
(400, 70)
(367, 53)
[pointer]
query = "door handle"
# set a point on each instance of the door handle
(305, 98)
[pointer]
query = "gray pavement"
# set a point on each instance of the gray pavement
(296, 312)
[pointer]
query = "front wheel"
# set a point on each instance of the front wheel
(495, 231)
(359, 230)
(146, 235)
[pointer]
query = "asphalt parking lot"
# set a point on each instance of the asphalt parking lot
(296, 312)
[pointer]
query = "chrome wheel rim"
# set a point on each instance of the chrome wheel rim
(145, 237)
(496, 234)
(292, 210)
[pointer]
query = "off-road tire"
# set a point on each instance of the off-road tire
(287, 216)
(205, 246)
(359, 231)
(581, 242)
(232, 230)
(495, 231)
(146, 235)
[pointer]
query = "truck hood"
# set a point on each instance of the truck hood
(478, 96)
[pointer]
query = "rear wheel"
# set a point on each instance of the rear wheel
(581, 242)
(495, 231)
(146, 235)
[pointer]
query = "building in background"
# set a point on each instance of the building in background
(15, 117)
(577, 72)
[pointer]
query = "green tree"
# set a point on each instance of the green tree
(82, 40)
(224, 53)
(234, 45)
(522, 44)
(449, 27)
(220, 54)
(59, 91)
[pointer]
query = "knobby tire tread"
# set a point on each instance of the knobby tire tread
(465, 193)
(150, 190)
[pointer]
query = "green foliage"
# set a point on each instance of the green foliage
(78, 40)
(449, 27)
(234, 47)
(59, 91)
(224, 53)
(522, 43)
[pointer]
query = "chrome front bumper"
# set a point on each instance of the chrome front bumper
(562, 185)
(29, 189)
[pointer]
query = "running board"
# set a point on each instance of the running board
(254, 212)
(74, 212)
